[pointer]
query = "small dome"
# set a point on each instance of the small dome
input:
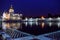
(11, 9)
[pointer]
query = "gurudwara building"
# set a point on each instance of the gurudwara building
(11, 15)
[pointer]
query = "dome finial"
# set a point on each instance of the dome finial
(11, 7)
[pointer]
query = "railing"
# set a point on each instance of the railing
(15, 34)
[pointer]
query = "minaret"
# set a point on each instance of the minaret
(11, 10)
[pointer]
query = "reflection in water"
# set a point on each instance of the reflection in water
(26, 23)
(35, 28)
(50, 24)
(37, 23)
(7, 25)
(58, 24)
(19, 25)
(3, 26)
(11, 25)
(42, 25)
(31, 23)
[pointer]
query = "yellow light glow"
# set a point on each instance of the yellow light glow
(13, 24)
(7, 16)
(42, 18)
(43, 24)
(7, 25)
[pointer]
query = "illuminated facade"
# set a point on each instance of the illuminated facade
(11, 15)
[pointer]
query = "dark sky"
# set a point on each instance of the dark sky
(32, 7)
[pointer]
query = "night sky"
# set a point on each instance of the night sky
(32, 7)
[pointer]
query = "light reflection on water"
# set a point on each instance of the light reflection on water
(11, 25)
(33, 27)
(42, 25)
(19, 25)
